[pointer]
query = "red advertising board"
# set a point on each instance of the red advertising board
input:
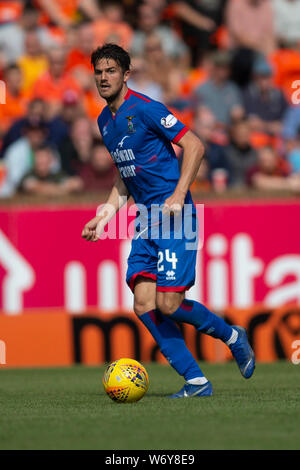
(65, 301)
(251, 254)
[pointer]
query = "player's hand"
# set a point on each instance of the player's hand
(173, 205)
(93, 229)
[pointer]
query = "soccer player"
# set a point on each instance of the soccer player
(138, 132)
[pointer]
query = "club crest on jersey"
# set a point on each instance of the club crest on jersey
(131, 128)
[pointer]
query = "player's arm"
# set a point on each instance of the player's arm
(117, 198)
(193, 152)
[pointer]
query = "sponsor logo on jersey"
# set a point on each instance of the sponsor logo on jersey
(121, 143)
(127, 171)
(168, 121)
(124, 155)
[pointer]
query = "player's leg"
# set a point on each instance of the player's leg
(179, 309)
(175, 274)
(196, 314)
(167, 335)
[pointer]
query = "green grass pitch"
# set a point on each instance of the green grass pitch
(67, 408)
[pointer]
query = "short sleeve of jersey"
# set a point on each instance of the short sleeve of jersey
(158, 118)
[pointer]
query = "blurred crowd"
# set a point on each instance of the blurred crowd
(229, 69)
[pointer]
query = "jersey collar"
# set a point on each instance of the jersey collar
(126, 97)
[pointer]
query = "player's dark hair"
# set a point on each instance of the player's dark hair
(111, 51)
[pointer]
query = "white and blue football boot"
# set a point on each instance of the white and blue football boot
(243, 353)
(189, 390)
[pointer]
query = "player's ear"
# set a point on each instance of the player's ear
(126, 75)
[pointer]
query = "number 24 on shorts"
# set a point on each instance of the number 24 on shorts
(170, 259)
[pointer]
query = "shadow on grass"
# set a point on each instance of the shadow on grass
(148, 395)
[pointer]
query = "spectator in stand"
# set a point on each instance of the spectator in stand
(80, 56)
(33, 63)
(198, 20)
(60, 126)
(99, 172)
(264, 103)
(55, 82)
(16, 99)
(293, 154)
(287, 20)
(58, 129)
(286, 69)
(291, 134)
(148, 24)
(36, 111)
(42, 180)
(205, 126)
(140, 81)
(10, 11)
(272, 173)
(13, 23)
(91, 101)
(241, 156)
(202, 181)
(291, 123)
(218, 93)
(250, 25)
(62, 13)
(18, 158)
(12, 33)
(111, 27)
(194, 77)
(161, 69)
(79, 65)
(75, 151)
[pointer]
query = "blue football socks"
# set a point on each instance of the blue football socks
(204, 320)
(172, 345)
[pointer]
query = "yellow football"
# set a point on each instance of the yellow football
(125, 380)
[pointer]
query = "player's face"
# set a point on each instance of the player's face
(109, 78)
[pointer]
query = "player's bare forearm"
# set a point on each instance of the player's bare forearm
(193, 151)
(117, 198)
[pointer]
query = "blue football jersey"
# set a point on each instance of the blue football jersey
(138, 139)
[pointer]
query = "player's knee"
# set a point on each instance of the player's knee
(167, 304)
(141, 307)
